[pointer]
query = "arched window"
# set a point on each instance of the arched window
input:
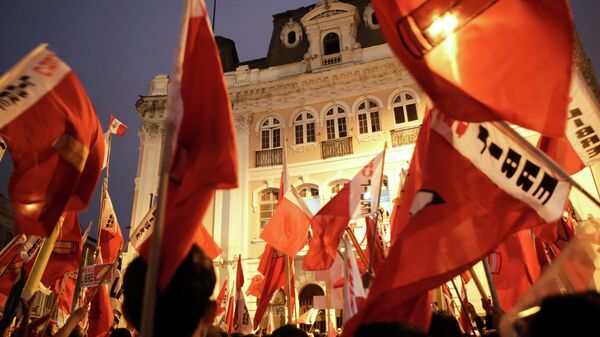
(405, 108)
(270, 133)
(337, 186)
(309, 191)
(368, 117)
(291, 37)
(335, 122)
(331, 44)
(304, 128)
(268, 203)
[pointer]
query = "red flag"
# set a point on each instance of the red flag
(274, 279)
(239, 276)
(357, 199)
(517, 269)
(256, 286)
(55, 141)
(379, 244)
(222, 298)
(101, 314)
(111, 237)
(452, 49)
(457, 207)
(116, 127)
(560, 150)
(66, 255)
(10, 263)
(287, 230)
(205, 149)
(65, 297)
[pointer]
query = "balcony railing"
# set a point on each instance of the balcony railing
(269, 157)
(336, 147)
(404, 136)
(331, 59)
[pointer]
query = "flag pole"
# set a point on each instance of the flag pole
(540, 155)
(463, 305)
(41, 261)
(488, 275)
(356, 245)
(377, 213)
(288, 280)
(78, 282)
(103, 194)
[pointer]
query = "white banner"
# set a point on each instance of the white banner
(30, 248)
(365, 187)
(143, 230)
(92, 275)
(505, 163)
(28, 81)
(583, 121)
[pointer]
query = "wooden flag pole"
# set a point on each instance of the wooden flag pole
(463, 305)
(356, 245)
(103, 194)
(478, 283)
(39, 266)
(377, 213)
(82, 263)
(288, 280)
(540, 155)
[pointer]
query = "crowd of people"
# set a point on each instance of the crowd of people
(185, 308)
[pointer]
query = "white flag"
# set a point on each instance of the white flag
(109, 220)
(365, 187)
(353, 287)
(30, 248)
(144, 229)
(244, 323)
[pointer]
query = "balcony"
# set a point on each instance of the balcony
(404, 136)
(269, 157)
(336, 147)
(331, 59)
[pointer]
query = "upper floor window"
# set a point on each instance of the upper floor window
(309, 191)
(368, 117)
(268, 204)
(336, 122)
(370, 18)
(270, 133)
(337, 186)
(331, 44)
(405, 108)
(304, 128)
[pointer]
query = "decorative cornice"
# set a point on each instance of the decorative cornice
(243, 122)
(153, 130)
(152, 107)
(362, 77)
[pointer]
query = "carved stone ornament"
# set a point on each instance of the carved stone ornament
(242, 123)
(154, 130)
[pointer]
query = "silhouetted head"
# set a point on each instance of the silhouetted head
(391, 329)
(444, 325)
(185, 302)
(566, 315)
(289, 331)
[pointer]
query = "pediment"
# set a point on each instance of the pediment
(328, 9)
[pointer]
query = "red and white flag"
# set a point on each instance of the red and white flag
(452, 49)
(108, 219)
(55, 140)
(487, 188)
(204, 144)
(287, 230)
(256, 285)
(580, 145)
(116, 127)
(357, 199)
(222, 299)
(111, 237)
(354, 293)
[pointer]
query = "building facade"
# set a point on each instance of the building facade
(329, 92)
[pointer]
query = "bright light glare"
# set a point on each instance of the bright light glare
(367, 195)
(443, 25)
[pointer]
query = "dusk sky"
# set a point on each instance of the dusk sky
(116, 47)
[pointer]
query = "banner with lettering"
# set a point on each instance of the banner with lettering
(583, 121)
(92, 275)
(506, 163)
(364, 188)
(143, 230)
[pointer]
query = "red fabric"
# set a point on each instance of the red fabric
(62, 261)
(462, 73)
(229, 320)
(518, 268)
(110, 243)
(11, 271)
(557, 234)
(274, 279)
(287, 230)
(116, 127)
(65, 298)
(205, 152)
(101, 314)
(379, 255)
(256, 286)
(239, 277)
(43, 184)
(221, 299)
(328, 226)
(442, 239)
(561, 151)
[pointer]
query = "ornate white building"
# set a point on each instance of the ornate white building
(331, 92)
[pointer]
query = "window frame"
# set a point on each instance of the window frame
(303, 124)
(368, 112)
(335, 119)
(272, 203)
(272, 131)
(403, 103)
